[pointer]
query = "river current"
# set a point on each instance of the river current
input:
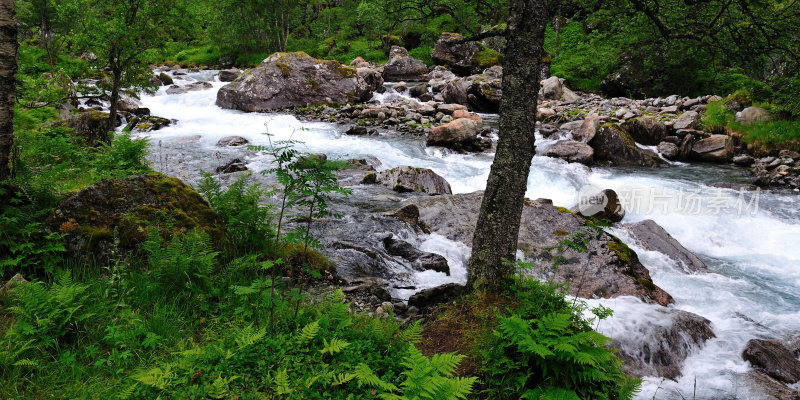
(749, 240)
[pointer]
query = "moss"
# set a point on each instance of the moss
(486, 57)
(564, 210)
(314, 84)
(647, 284)
(623, 252)
(560, 232)
(298, 259)
(370, 178)
(144, 126)
(286, 70)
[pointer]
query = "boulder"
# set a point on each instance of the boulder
(410, 179)
(15, 280)
(402, 67)
(571, 151)
(91, 125)
(613, 145)
(752, 114)
(653, 237)
(438, 295)
(440, 76)
(480, 92)
(114, 216)
(764, 387)
(587, 129)
(356, 130)
(646, 130)
(229, 75)
(165, 79)
(668, 150)
(459, 133)
(608, 269)
(418, 90)
(743, 160)
(291, 80)
(715, 148)
(458, 57)
(603, 205)
(419, 260)
(232, 141)
(458, 114)
(235, 165)
(148, 123)
(552, 88)
(192, 87)
(687, 120)
(773, 358)
(449, 109)
(657, 342)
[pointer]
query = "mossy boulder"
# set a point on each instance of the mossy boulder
(114, 216)
(615, 146)
(403, 67)
(91, 125)
(302, 261)
(296, 80)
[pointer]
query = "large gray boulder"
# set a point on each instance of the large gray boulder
(459, 57)
(716, 148)
(572, 151)
(292, 80)
(403, 67)
(608, 269)
(602, 205)
(552, 88)
(614, 146)
(480, 92)
(410, 179)
(687, 120)
(773, 358)
(652, 236)
(458, 133)
(646, 130)
(752, 114)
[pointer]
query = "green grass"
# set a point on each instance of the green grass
(768, 135)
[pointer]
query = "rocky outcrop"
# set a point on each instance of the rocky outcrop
(403, 67)
(657, 343)
(603, 205)
(572, 151)
(608, 269)
(458, 57)
(294, 79)
(410, 179)
(773, 358)
(614, 146)
(646, 130)
(653, 237)
(715, 148)
(126, 210)
(419, 260)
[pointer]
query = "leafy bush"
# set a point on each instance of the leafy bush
(125, 156)
(422, 53)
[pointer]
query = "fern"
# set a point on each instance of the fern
(187, 262)
(334, 346)
(308, 333)
(412, 334)
(157, 377)
(248, 336)
(281, 382)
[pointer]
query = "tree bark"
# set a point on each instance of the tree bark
(497, 229)
(8, 84)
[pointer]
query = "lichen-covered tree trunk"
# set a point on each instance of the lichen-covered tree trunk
(497, 230)
(8, 84)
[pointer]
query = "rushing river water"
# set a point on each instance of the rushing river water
(750, 241)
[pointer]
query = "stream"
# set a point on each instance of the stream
(749, 240)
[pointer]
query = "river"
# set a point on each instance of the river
(750, 241)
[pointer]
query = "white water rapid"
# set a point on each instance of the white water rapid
(750, 242)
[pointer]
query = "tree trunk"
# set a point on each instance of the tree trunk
(8, 84)
(497, 229)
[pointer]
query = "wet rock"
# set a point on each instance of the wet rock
(687, 120)
(449, 109)
(613, 145)
(459, 133)
(438, 295)
(235, 165)
(165, 79)
(653, 237)
(765, 387)
(419, 260)
(646, 130)
(773, 358)
(480, 92)
(658, 344)
(229, 75)
(402, 67)
(587, 129)
(125, 210)
(192, 87)
(458, 57)
(232, 141)
(572, 151)
(752, 114)
(294, 79)
(410, 179)
(552, 88)
(608, 269)
(743, 160)
(716, 148)
(418, 90)
(604, 205)
(458, 114)
(148, 123)
(670, 151)
(356, 130)
(400, 87)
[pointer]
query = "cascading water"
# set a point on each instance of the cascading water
(748, 240)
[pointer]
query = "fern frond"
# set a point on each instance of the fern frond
(248, 336)
(366, 377)
(308, 333)
(281, 382)
(412, 334)
(334, 346)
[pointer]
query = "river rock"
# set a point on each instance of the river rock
(752, 114)
(418, 90)
(480, 92)
(402, 67)
(587, 129)
(571, 151)
(229, 75)
(410, 179)
(126, 210)
(458, 57)
(458, 133)
(646, 130)
(773, 358)
(743, 160)
(91, 125)
(438, 295)
(653, 237)
(419, 260)
(687, 120)
(192, 87)
(148, 123)
(232, 141)
(603, 205)
(668, 150)
(764, 387)
(165, 79)
(658, 342)
(291, 80)
(552, 88)
(235, 165)
(608, 269)
(613, 145)
(458, 114)
(716, 148)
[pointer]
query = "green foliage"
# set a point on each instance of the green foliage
(186, 263)
(125, 156)
(768, 135)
